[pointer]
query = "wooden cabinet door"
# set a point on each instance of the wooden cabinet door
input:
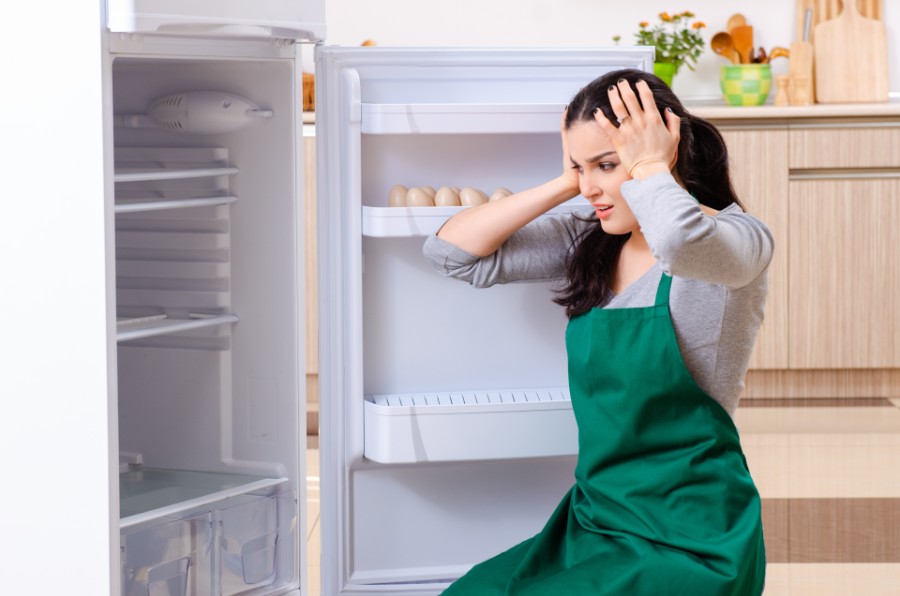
(759, 162)
(845, 278)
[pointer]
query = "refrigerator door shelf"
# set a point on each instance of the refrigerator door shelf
(469, 426)
(460, 118)
(398, 222)
(303, 21)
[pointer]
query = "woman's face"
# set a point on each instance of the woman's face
(601, 175)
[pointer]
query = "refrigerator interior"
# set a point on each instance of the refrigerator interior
(451, 432)
(208, 291)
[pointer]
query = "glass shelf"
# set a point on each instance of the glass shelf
(151, 493)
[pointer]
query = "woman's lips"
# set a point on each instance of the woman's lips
(604, 211)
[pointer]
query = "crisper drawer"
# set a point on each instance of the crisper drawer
(468, 426)
(302, 20)
(856, 145)
(241, 545)
(172, 557)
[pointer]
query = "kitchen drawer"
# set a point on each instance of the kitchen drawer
(845, 146)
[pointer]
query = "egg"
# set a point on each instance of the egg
(469, 197)
(455, 189)
(430, 190)
(416, 197)
(397, 196)
(446, 197)
(500, 193)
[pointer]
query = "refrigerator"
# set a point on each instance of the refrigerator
(153, 255)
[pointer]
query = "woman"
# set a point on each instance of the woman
(665, 286)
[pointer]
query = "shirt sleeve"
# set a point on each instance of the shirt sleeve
(537, 252)
(732, 248)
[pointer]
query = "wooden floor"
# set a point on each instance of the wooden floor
(829, 475)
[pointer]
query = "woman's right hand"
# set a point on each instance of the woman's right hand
(482, 229)
(569, 173)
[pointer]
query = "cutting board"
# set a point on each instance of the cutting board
(824, 10)
(851, 59)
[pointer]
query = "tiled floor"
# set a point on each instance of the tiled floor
(829, 474)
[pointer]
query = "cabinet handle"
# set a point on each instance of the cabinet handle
(856, 174)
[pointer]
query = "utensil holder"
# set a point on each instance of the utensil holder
(746, 84)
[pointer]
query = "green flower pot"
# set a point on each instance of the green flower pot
(746, 84)
(665, 71)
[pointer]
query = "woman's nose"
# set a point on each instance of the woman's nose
(587, 187)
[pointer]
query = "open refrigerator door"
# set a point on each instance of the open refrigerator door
(449, 430)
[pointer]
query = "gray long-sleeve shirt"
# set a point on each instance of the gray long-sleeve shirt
(718, 264)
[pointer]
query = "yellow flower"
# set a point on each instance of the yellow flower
(644, 24)
(687, 14)
(665, 16)
(699, 25)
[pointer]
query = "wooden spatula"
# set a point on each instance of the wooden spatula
(735, 20)
(742, 37)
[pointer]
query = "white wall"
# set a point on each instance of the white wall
(569, 23)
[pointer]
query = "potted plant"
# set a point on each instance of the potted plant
(677, 41)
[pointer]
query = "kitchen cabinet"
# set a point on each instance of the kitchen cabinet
(758, 161)
(844, 209)
(828, 185)
(845, 281)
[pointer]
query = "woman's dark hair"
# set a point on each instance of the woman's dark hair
(702, 167)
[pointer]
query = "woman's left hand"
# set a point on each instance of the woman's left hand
(646, 145)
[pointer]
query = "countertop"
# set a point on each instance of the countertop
(716, 109)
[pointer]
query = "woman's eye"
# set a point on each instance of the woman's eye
(607, 166)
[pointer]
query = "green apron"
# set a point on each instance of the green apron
(663, 503)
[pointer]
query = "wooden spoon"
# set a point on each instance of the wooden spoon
(778, 52)
(743, 42)
(722, 44)
(735, 20)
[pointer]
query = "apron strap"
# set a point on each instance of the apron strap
(662, 291)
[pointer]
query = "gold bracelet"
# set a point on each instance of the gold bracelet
(643, 162)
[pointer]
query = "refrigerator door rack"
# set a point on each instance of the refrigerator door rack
(487, 118)
(396, 222)
(471, 425)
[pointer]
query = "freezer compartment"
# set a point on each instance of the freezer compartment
(172, 557)
(229, 18)
(477, 425)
